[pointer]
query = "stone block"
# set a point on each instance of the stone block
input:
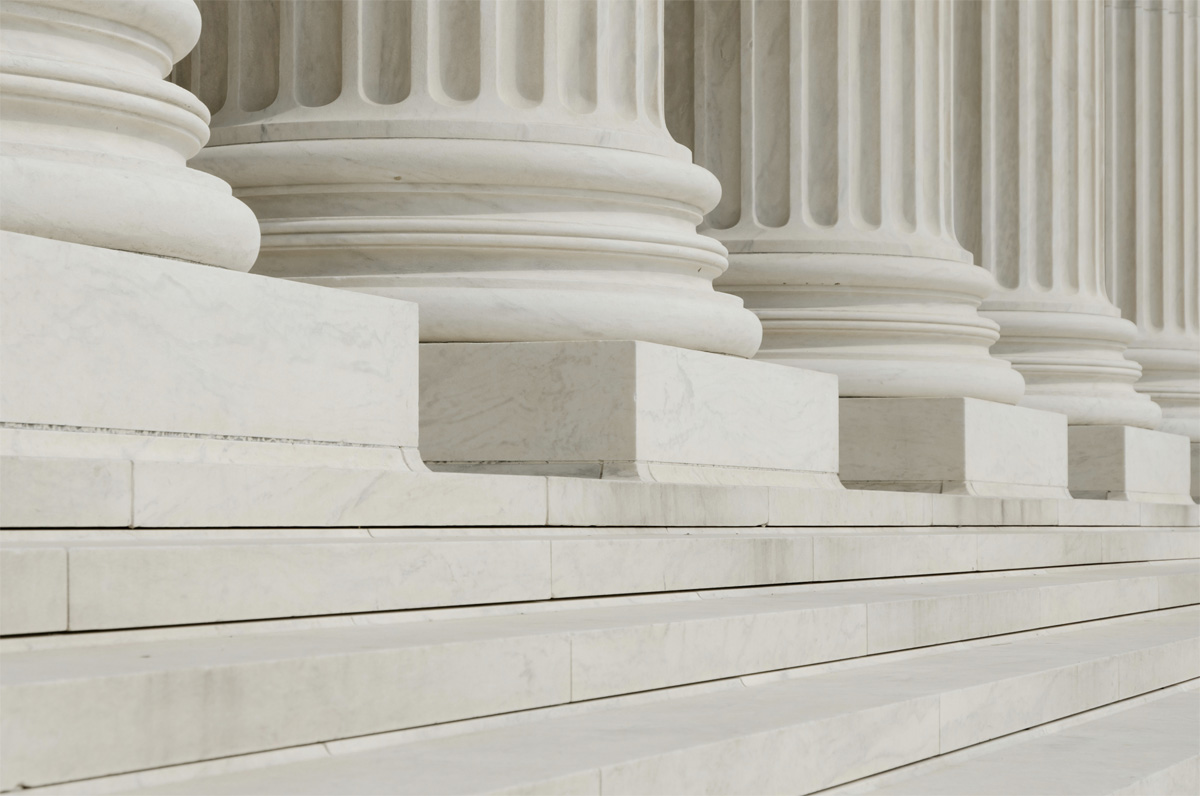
(604, 502)
(626, 410)
(132, 584)
(1126, 463)
(33, 590)
(1025, 550)
(175, 494)
(632, 564)
(1177, 515)
(107, 340)
(1142, 749)
(848, 507)
(953, 445)
(65, 493)
(858, 554)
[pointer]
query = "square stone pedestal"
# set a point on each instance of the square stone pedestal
(953, 445)
(628, 410)
(1125, 463)
(112, 358)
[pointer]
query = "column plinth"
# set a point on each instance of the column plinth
(93, 142)
(504, 165)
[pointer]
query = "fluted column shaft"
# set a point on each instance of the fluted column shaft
(93, 141)
(828, 124)
(504, 163)
(1152, 203)
(1029, 171)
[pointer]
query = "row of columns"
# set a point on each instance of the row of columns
(995, 200)
(925, 198)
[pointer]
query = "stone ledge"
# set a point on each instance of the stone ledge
(166, 494)
(152, 578)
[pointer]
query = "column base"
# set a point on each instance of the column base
(962, 446)
(1127, 463)
(626, 410)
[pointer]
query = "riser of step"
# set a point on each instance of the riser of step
(154, 494)
(795, 735)
(1152, 748)
(75, 581)
(90, 711)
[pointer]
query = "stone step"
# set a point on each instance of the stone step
(52, 581)
(795, 732)
(1151, 748)
(93, 708)
(59, 492)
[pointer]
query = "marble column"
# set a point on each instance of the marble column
(1028, 202)
(828, 124)
(505, 164)
(93, 141)
(1152, 202)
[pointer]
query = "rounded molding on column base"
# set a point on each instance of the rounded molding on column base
(498, 241)
(95, 143)
(887, 326)
(1073, 362)
(1171, 376)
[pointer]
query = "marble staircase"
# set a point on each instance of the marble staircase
(598, 658)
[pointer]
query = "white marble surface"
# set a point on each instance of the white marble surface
(93, 142)
(66, 442)
(618, 565)
(185, 583)
(221, 692)
(33, 590)
(114, 340)
(621, 408)
(827, 507)
(140, 578)
(65, 493)
(421, 673)
(583, 501)
(1129, 463)
(171, 494)
(1180, 515)
(1098, 512)
(1147, 749)
(960, 445)
(869, 553)
(790, 735)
